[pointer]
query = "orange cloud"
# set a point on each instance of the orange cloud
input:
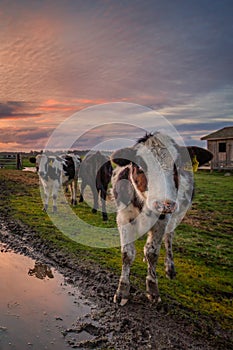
(70, 105)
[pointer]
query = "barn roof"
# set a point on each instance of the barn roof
(224, 133)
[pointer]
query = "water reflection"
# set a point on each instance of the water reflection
(37, 310)
(41, 271)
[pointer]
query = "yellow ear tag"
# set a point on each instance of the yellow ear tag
(195, 164)
(51, 163)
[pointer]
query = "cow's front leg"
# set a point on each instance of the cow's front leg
(54, 195)
(169, 263)
(46, 196)
(46, 205)
(151, 252)
(122, 293)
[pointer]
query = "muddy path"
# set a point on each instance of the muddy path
(138, 325)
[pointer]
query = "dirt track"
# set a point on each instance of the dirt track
(138, 325)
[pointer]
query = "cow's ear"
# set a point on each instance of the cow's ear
(124, 156)
(32, 160)
(199, 154)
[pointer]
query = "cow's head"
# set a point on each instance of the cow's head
(155, 165)
(50, 167)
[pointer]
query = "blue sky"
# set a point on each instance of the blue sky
(58, 57)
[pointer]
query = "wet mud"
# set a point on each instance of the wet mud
(137, 325)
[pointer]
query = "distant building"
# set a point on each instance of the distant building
(220, 143)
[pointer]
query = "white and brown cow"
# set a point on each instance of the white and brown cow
(55, 171)
(153, 188)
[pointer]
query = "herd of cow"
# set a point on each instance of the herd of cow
(152, 185)
(65, 169)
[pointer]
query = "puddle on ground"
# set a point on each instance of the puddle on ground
(37, 306)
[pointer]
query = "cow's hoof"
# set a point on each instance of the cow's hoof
(105, 217)
(121, 296)
(81, 198)
(94, 211)
(74, 202)
(54, 209)
(154, 299)
(170, 271)
(171, 274)
(118, 300)
(45, 208)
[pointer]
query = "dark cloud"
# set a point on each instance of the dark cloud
(16, 110)
(24, 137)
(209, 127)
(108, 132)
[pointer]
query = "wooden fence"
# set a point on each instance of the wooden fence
(11, 161)
(222, 165)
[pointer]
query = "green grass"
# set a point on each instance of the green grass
(202, 244)
(26, 162)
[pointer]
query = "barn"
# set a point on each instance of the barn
(220, 143)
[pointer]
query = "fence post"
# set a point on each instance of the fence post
(18, 161)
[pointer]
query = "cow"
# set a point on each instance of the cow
(153, 187)
(73, 162)
(55, 171)
(96, 171)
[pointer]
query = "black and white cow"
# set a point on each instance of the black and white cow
(55, 171)
(153, 188)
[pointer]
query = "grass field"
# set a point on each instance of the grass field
(202, 245)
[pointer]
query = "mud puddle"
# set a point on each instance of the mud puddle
(37, 307)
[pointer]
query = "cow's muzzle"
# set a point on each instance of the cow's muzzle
(165, 207)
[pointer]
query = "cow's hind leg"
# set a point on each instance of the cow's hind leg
(95, 198)
(151, 252)
(103, 195)
(73, 190)
(169, 263)
(122, 293)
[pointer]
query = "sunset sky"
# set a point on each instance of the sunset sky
(60, 56)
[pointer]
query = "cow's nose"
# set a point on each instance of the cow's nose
(165, 207)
